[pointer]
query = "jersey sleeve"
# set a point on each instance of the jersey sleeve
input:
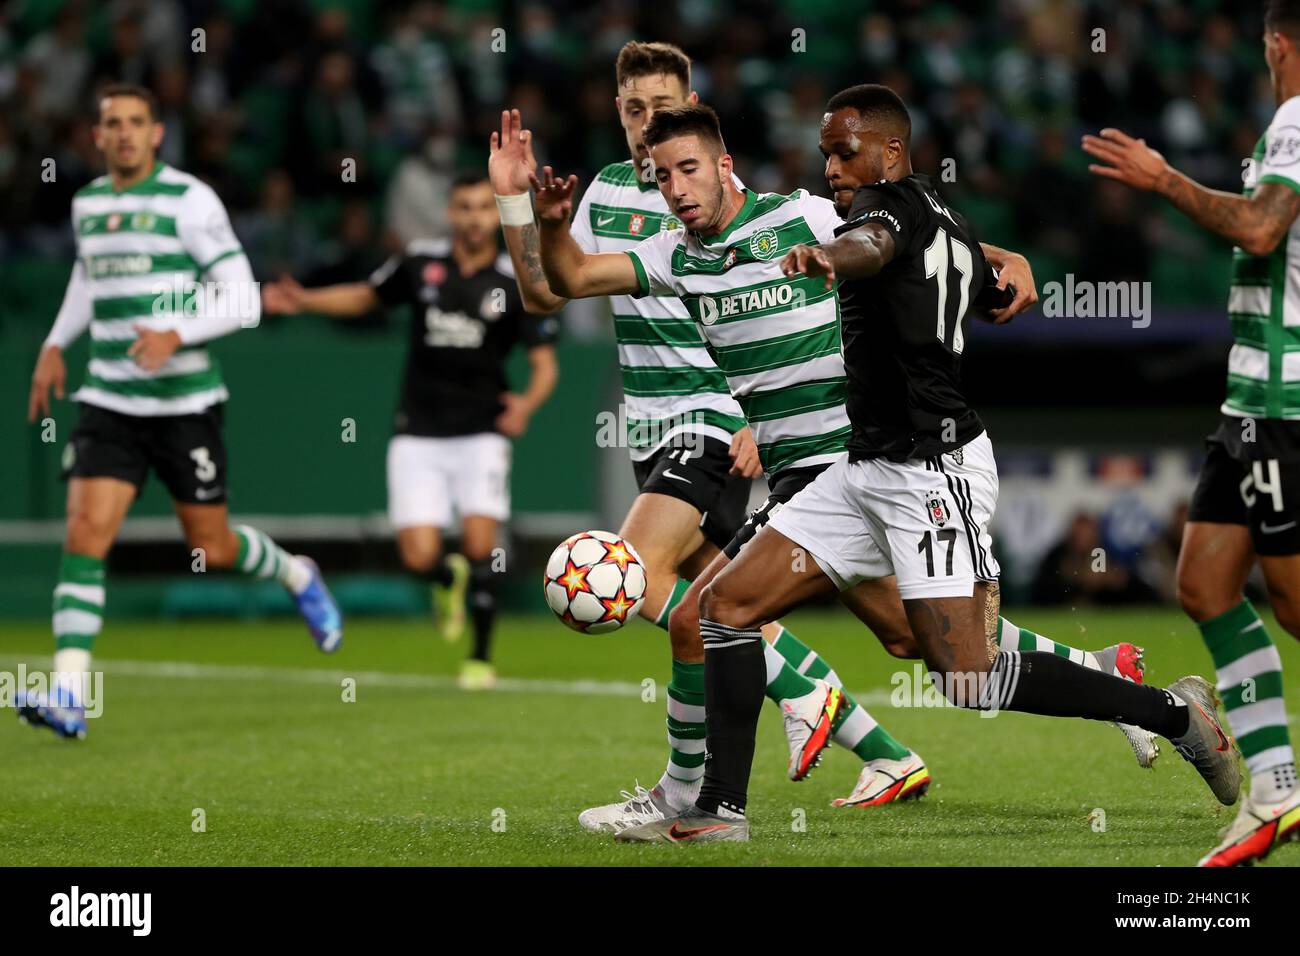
(580, 227)
(653, 261)
(535, 330)
(1282, 149)
(819, 213)
(389, 280)
(75, 312)
(885, 204)
(204, 229)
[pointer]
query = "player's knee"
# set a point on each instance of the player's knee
(684, 631)
(903, 646)
(722, 604)
(1201, 597)
(418, 560)
(478, 551)
(1287, 612)
(87, 534)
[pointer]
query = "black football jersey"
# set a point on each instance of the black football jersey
(462, 330)
(904, 329)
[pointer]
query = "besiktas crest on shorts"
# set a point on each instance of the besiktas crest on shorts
(937, 509)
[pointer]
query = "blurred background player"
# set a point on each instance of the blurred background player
(1246, 506)
(151, 399)
(456, 416)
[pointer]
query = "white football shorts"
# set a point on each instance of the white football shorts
(430, 478)
(925, 520)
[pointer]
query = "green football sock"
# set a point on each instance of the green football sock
(1014, 638)
(854, 728)
(261, 557)
(1249, 672)
(78, 602)
(681, 780)
(675, 598)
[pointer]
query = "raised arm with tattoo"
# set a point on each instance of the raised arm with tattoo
(1255, 223)
(511, 164)
(571, 272)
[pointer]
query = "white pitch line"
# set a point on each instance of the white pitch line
(184, 670)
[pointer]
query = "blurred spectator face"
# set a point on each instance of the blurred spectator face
(691, 174)
(472, 212)
(856, 154)
(169, 87)
(127, 39)
(639, 97)
(335, 74)
(355, 224)
(1085, 534)
(277, 191)
(127, 134)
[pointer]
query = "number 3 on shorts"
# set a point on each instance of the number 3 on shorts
(205, 469)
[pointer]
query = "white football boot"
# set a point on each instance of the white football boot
(886, 781)
(1259, 828)
(808, 722)
(641, 806)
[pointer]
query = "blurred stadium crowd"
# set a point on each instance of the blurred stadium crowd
(283, 90)
(266, 99)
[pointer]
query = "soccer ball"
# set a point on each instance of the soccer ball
(594, 582)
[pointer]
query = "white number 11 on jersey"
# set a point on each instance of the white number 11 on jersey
(936, 267)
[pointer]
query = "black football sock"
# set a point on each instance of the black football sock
(735, 676)
(482, 600)
(1036, 682)
(439, 574)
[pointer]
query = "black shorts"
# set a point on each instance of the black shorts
(186, 451)
(783, 488)
(701, 477)
(1263, 494)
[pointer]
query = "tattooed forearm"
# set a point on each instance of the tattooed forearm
(532, 253)
(1255, 224)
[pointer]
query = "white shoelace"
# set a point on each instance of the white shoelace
(638, 802)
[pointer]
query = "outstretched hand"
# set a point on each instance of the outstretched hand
(809, 261)
(1127, 160)
(552, 196)
(511, 164)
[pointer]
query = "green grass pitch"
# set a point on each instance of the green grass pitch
(247, 722)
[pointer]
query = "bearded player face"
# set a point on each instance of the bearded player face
(691, 176)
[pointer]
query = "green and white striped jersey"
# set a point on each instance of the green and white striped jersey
(776, 339)
(1264, 302)
(140, 251)
(671, 385)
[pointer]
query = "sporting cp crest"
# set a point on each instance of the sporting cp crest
(938, 510)
(763, 244)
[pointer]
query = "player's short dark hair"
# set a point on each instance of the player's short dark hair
(652, 59)
(1283, 16)
(692, 120)
(470, 177)
(129, 89)
(877, 104)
